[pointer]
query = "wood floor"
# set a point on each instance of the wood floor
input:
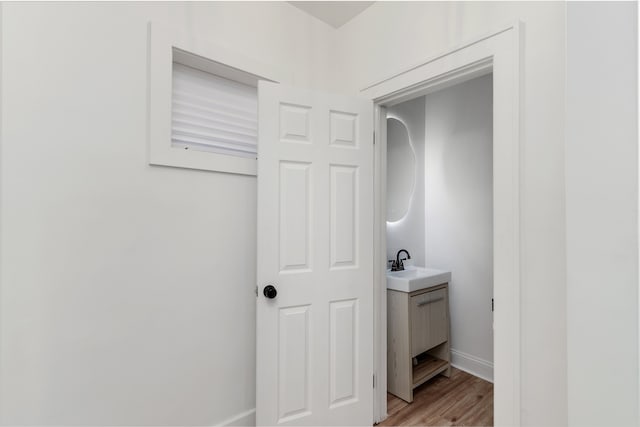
(462, 400)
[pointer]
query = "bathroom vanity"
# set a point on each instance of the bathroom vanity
(417, 329)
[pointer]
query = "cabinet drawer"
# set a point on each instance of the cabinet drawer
(428, 320)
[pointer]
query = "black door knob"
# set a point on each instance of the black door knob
(270, 291)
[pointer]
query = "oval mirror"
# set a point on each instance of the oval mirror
(401, 170)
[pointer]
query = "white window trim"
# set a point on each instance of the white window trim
(205, 56)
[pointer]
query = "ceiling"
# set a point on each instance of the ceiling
(334, 13)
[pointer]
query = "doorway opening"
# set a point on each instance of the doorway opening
(439, 240)
(498, 54)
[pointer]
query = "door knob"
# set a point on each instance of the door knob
(270, 291)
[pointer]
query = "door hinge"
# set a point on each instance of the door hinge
(374, 137)
(374, 381)
(491, 304)
(256, 291)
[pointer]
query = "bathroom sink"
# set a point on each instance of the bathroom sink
(415, 278)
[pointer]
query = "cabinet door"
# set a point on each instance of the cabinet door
(437, 324)
(420, 331)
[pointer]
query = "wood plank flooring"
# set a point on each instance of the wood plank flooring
(462, 400)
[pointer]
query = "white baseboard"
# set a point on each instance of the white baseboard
(247, 418)
(471, 364)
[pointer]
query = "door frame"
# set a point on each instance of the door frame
(499, 52)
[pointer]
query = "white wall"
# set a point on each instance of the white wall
(408, 233)
(459, 214)
(602, 213)
(127, 291)
(373, 47)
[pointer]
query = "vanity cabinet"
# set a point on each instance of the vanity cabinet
(417, 338)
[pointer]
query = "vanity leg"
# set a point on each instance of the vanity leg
(447, 373)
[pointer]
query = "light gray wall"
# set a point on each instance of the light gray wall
(602, 213)
(127, 291)
(408, 233)
(459, 213)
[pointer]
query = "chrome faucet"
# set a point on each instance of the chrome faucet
(398, 264)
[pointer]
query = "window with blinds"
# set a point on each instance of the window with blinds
(212, 113)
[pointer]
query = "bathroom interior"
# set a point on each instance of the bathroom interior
(440, 252)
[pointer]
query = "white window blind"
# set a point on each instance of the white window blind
(212, 113)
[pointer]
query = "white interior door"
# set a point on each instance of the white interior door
(315, 247)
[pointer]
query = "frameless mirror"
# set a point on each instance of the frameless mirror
(401, 170)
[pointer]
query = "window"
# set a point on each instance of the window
(213, 114)
(203, 104)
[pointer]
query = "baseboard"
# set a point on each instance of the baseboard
(247, 418)
(471, 364)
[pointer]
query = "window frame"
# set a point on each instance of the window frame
(166, 46)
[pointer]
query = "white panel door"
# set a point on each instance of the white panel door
(315, 247)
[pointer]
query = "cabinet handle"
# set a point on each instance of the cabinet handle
(420, 304)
